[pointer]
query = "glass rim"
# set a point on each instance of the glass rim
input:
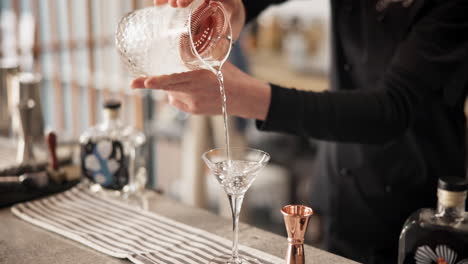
(223, 150)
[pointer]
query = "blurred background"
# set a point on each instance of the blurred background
(70, 45)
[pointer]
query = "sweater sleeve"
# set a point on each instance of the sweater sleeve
(255, 7)
(429, 66)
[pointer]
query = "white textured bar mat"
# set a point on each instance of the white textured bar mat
(122, 231)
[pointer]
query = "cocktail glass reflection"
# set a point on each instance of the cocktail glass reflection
(235, 175)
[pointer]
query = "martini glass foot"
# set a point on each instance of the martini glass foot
(227, 259)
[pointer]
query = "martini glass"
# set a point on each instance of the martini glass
(235, 175)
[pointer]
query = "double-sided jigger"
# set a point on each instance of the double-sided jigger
(296, 219)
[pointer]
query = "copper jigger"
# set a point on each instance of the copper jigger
(296, 219)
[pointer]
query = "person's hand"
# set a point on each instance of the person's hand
(198, 92)
(235, 7)
(174, 3)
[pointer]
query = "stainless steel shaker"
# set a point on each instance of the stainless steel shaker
(25, 152)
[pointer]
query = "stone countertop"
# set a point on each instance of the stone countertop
(24, 243)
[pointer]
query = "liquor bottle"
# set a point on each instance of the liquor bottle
(295, 46)
(438, 236)
(112, 154)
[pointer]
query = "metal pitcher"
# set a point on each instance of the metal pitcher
(8, 82)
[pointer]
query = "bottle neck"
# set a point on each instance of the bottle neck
(451, 205)
(111, 118)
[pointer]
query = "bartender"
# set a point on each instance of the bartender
(392, 123)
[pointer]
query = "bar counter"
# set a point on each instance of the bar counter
(24, 243)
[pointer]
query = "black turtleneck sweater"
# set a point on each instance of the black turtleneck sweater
(393, 118)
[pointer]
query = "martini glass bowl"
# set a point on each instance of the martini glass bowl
(235, 174)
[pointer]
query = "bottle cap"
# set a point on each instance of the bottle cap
(453, 184)
(112, 104)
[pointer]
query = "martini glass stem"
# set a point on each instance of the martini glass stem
(236, 203)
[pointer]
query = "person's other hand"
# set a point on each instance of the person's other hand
(198, 92)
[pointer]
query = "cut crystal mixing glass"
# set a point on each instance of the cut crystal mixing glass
(235, 175)
(162, 40)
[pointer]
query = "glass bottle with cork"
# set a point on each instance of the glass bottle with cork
(438, 236)
(112, 154)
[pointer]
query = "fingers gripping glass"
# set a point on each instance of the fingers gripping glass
(162, 40)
